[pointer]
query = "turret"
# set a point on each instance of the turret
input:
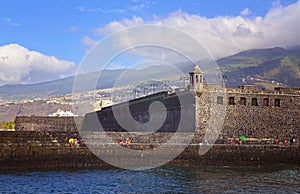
(196, 79)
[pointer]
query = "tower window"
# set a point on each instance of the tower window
(254, 102)
(220, 100)
(266, 102)
(277, 102)
(231, 100)
(197, 78)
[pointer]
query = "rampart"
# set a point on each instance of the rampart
(132, 115)
(247, 111)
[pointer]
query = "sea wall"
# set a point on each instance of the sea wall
(22, 150)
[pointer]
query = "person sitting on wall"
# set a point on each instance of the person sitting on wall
(71, 142)
(286, 141)
(76, 143)
(232, 142)
(292, 140)
(128, 140)
(277, 140)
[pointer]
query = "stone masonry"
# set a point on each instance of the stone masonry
(45, 123)
(213, 111)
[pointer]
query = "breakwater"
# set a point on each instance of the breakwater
(50, 150)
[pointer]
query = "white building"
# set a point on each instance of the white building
(61, 113)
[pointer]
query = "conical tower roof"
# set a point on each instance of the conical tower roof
(196, 69)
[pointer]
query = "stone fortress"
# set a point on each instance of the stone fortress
(249, 111)
(246, 110)
(214, 114)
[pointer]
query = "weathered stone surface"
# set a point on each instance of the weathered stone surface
(26, 150)
(45, 123)
(260, 115)
(260, 119)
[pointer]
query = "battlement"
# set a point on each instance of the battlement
(253, 89)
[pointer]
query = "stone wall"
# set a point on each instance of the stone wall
(239, 111)
(44, 123)
(133, 115)
(251, 112)
(22, 150)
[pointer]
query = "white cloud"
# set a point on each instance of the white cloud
(225, 35)
(88, 42)
(135, 6)
(74, 28)
(20, 65)
(100, 10)
(10, 21)
(246, 12)
(115, 25)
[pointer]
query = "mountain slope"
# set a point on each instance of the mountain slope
(86, 82)
(279, 64)
(282, 65)
(57, 87)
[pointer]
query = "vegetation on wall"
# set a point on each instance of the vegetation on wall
(4, 125)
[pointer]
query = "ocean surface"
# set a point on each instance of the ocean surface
(166, 179)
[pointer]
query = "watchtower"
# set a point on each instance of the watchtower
(196, 79)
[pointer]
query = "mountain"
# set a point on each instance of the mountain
(86, 82)
(55, 87)
(272, 64)
(50, 88)
(246, 67)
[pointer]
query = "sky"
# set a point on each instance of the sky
(46, 40)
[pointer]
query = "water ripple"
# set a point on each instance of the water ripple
(166, 179)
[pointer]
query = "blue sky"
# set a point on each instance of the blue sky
(66, 29)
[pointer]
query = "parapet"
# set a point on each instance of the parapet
(253, 89)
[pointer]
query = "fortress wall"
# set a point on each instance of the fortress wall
(40, 123)
(263, 121)
(243, 117)
(138, 111)
(266, 119)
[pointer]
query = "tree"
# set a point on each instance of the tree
(7, 125)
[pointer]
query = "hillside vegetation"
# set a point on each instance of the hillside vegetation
(272, 64)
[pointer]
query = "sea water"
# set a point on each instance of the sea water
(165, 179)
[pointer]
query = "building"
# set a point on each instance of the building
(213, 111)
(61, 113)
(206, 109)
(102, 103)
